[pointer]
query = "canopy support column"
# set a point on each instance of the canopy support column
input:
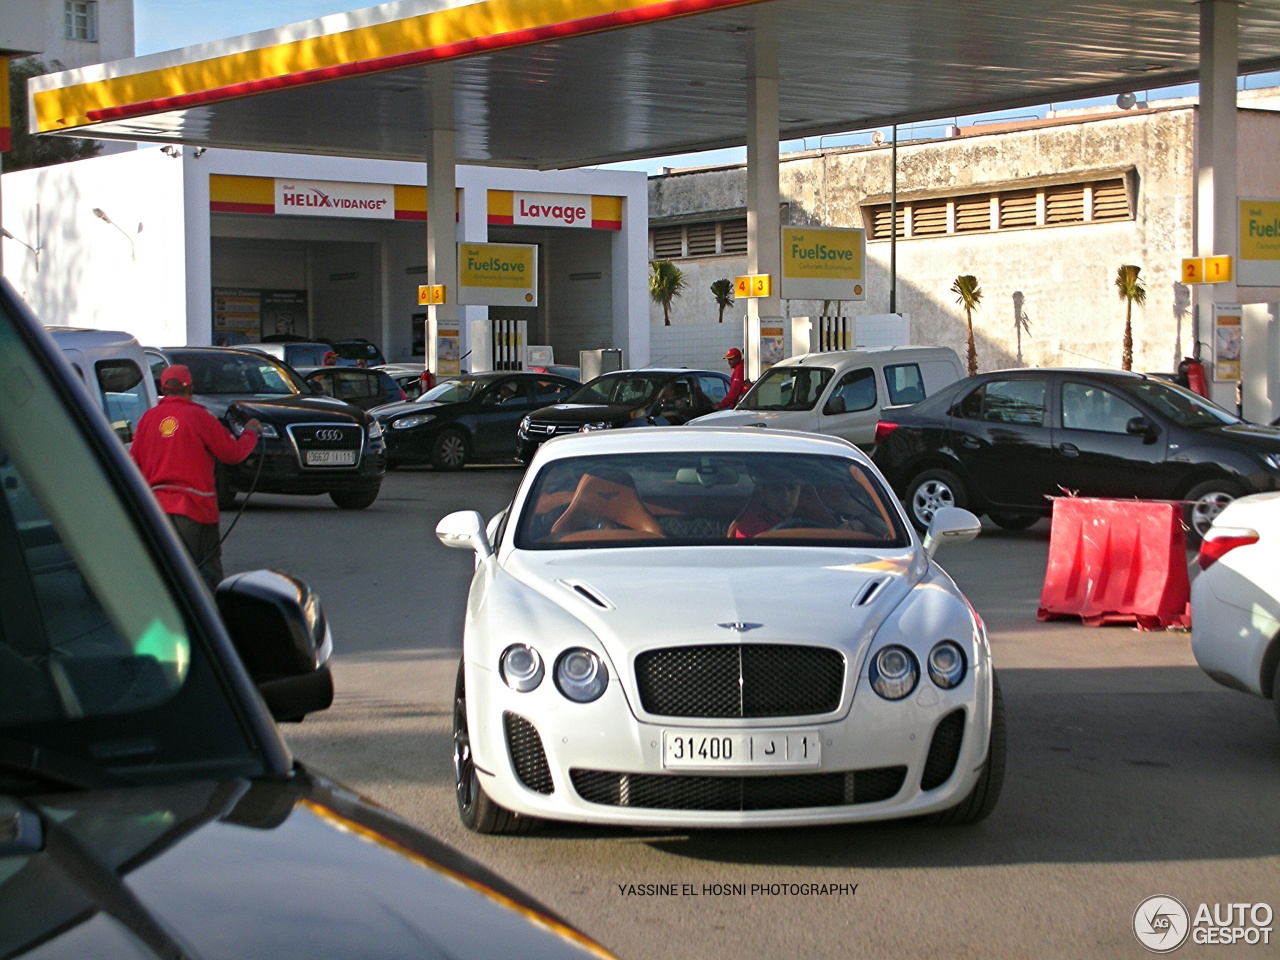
(442, 224)
(764, 218)
(1217, 208)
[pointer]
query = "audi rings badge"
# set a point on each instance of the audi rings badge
(329, 435)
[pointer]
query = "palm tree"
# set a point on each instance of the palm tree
(666, 282)
(1021, 322)
(722, 290)
(1131, 290)
(968, 295)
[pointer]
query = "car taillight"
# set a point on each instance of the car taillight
(1219, 543)
(883, 429)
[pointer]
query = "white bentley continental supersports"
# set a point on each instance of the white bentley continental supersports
(717, 628)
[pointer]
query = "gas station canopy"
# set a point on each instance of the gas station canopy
(564, 83)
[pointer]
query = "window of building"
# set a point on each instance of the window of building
(82, 20)
(707, 238)
(1057, 205)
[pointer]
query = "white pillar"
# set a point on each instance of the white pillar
(442, 227)
(764, 221)
(1216, 192)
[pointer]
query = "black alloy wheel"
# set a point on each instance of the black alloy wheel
(475, 808)
(929, 492)
(450, 450)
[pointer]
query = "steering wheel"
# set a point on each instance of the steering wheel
(793, 523)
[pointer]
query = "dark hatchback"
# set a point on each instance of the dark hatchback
(1005, 443)
(311, 444)
(362, 387)
(149, 807)
(471, 418)
(625, 398)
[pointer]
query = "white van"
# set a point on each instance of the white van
(841, 393)
(113, 367)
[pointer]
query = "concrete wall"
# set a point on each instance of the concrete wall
(1063, 277)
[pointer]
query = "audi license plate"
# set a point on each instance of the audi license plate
(330, 458)
(715, 749)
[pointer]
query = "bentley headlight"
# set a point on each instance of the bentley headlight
(411, 421)
(894, 672)
(946, 664)
(581, 675)
(521, 667)
(598, 425)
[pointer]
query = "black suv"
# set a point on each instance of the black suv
(625, 398)
(1005, 443)
(311, 444)
(148, 805)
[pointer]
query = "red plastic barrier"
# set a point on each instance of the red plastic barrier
(1116, 561)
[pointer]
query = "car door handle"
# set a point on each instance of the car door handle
(1068, 449)
(971, 442)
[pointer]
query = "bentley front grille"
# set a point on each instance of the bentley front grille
(740, 680)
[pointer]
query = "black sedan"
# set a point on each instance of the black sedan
(625, 398)
(310, 444)
(1005, 443)
(471, 418)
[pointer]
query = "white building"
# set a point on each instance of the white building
(180, 246)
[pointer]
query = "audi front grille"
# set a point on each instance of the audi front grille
(327, 446)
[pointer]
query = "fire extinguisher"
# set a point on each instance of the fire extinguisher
(1193, 370)
(428, 380)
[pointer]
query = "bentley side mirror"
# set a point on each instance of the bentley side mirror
(465, 531)
(950, 525)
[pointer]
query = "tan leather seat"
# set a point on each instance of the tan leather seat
(601, 502)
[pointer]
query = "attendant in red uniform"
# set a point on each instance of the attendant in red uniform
(176, 445)
(737, 380)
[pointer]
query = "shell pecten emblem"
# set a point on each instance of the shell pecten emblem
(168, 427)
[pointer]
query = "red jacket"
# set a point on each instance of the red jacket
(176, 444)
(737, 387)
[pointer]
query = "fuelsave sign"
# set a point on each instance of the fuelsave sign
(498, 274)
(314, 198)
(823, 263)
(1259, 264)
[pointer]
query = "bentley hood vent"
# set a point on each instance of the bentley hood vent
(869, 591)
(587, 593)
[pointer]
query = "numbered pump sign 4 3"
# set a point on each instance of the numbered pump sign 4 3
(824, 263)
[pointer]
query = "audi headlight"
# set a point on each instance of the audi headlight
(598, 425)
(947, 665)
(894, 672)
(264, 429)
(521, 667)
(411, 421)
(375, 430)
(581, 675)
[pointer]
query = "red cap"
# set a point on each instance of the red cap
(176, 376)
(733, 354)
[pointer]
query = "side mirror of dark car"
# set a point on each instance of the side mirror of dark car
(834, 405)
(1142, 427)
(280, 631)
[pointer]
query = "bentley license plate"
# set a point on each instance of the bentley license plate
(330, 458)
(716, 749)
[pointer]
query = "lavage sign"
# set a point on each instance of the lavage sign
(550, 210)
(318, 198)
